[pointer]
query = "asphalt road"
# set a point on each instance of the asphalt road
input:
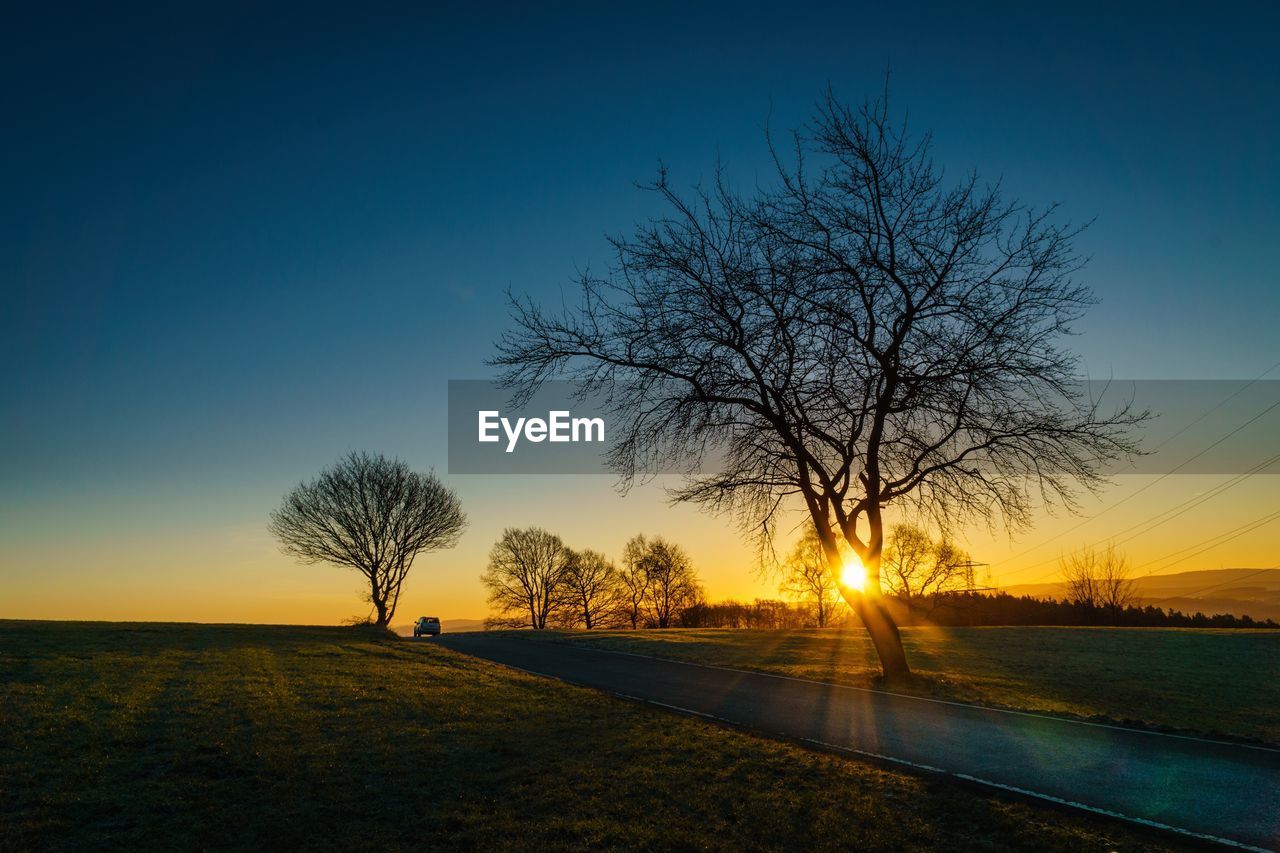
(1217, 791)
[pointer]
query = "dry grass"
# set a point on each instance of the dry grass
(183, 737)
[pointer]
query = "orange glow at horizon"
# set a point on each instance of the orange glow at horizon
(149, 556)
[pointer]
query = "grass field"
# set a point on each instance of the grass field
(1214, 682)
(183, 736)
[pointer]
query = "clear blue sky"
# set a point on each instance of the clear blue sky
(238, 241)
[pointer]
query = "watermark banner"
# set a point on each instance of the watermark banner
(557, 431)
(1197, 427)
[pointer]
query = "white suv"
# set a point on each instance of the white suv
(428, 625)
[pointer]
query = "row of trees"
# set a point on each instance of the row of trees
(534, 580)
(375, 515)
(929, 581)
(932, 582)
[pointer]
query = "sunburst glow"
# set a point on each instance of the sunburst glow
(853, 575)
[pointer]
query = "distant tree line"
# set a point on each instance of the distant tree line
(915, 570)
(959, 609)
(1000, 608)
(535, 581)
(1099, 591)
(768, 614)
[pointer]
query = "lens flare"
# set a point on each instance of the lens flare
(853, 575)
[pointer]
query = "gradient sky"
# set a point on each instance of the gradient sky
(240, 241)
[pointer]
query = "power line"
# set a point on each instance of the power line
(1172, 512)
(1150, 485)
(1248, 527)
(1213, 542)
(1202, 416)
(1198, 499)
(1220, 404)
(1235, 531)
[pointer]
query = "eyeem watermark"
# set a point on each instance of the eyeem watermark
(1202, 427)
(559, 430)
(558, 426)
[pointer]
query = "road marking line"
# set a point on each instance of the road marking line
(1138, 820)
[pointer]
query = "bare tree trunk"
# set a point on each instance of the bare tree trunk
(379, 603)
(884, 635)
(880, 624)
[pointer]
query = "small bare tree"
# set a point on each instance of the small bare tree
(1099, 581)
(525, 576)
(858, 334)
(1118, 590)
(371, 514)
(807, 577)
(1080, 572)
(590, 591)
(916, 568)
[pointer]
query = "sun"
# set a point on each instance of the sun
(853, 575)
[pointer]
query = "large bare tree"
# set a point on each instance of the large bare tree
(371, 514)
(856, 334)
(525, 576)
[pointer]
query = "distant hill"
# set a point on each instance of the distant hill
(447, 626)
(1240, 592)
